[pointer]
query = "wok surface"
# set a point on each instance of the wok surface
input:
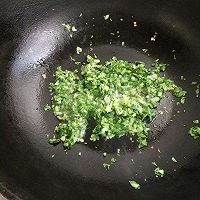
(33, 42)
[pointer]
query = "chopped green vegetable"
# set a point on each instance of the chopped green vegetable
(183, 100)
(154, 37)
(118, 152)
(196, 121)
(134, 184)
(182, 77)
(174, 160)
(153, 163)
(47, 107)
(113, 160)
(74, 29)
(159, 66)
(106, 17)
(67, 26)
(194, 83)
(195, 132)
(197, 91)
(145, 50)
(44, 76)
(78, 50)
(120, 96)
(159, 172)
(77, 63)
(106, 166)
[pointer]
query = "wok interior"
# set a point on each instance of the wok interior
(33, 42)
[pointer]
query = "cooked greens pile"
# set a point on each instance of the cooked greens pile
(120, 96)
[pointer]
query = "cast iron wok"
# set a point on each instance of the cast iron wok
(33, 42)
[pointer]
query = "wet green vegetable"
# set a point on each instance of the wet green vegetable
(196, 121)
(134, 185)
(107, 166)
(195, 132)
(106, 17)
(197, 91)
(159, 172)
(47, 107)
(174, 160)
(120, 96)
(145, 50)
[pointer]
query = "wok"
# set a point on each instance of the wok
(33, 42)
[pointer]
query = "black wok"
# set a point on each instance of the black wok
(33, 42)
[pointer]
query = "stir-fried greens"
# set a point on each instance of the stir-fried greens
(120, 96)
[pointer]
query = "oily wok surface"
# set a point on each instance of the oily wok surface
(33, 42)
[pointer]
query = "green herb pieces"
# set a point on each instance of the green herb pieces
(118, 152)
(194, 83)
(106, 17)
(195, 132)
(145, 50)
(153, 38)
(160, 67)
(113, 160)
(106, 166)
(78, 50)
(197, 91)
(159, 172)
(196, 121)
(153, 163)
(104, 154)
(134, 184)
(120, 96)
(183, 100)
(74, 29)
(174, 160)
(47, 107)
(67, 26)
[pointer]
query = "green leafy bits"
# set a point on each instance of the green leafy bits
(113, 160)
(195, 132)
(106, 166)
(197, 91)
(67, 26)
(134, 184)
(78, 50)
(153, 38)
(145, 50)
(47, 107)
(174, 160)
(196, 121)
(159, 172)
(120, 96)
(106, 17)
